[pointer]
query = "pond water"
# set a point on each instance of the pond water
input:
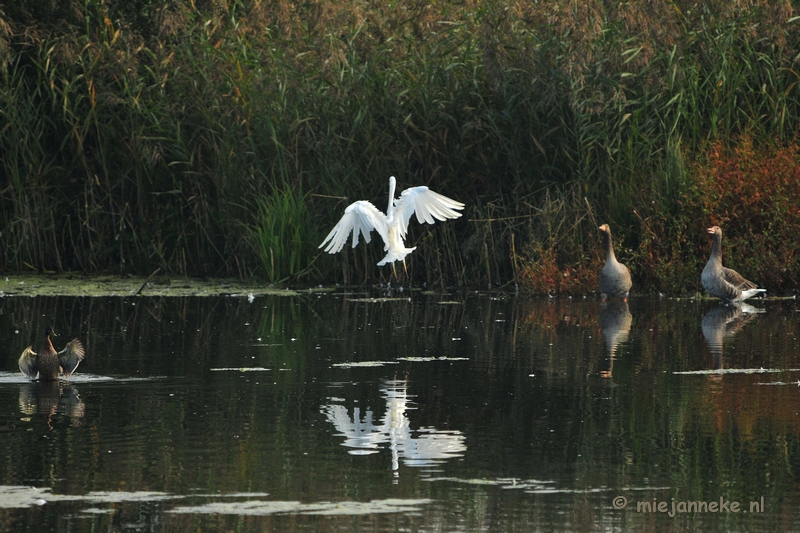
(419, 412)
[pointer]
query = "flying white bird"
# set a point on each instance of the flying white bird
(362, 217)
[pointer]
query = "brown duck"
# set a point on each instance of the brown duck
(615, 279)
(48, 363)
(724, 283)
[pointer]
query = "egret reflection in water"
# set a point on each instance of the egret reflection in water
(615, 323)
(421, 447)
(723, 321)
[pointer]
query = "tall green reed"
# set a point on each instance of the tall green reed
(281, 236)
(149, 138)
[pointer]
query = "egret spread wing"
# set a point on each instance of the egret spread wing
(71, 356)
(359, 217)
(428, 205)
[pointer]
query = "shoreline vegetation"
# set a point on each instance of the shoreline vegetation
(224, 138)
(130, 286)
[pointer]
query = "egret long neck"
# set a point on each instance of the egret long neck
(390, 208)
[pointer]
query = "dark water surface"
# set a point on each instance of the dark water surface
(429, 413)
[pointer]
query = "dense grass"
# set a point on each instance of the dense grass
(225, 138)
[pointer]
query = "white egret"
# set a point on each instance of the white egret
(362, 217)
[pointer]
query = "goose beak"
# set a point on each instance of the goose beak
(710, 231)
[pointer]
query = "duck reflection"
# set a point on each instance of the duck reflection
(422, 447)
(615, 323)
(51, 397)
(723, 321)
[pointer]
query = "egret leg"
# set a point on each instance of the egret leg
(405, 268)
(394, 271)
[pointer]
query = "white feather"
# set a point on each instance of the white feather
(362, 217)
(749, 293)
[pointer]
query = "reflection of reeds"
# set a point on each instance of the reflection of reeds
(517, 398)
(138, 138)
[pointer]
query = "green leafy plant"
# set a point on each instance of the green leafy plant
(280, 235)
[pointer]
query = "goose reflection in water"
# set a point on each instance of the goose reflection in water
(49, 398)
(724, 321)
(422, 447)
(615, 323)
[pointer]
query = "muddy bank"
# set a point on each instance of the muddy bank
(83, 285)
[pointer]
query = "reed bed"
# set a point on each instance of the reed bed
(226, 138)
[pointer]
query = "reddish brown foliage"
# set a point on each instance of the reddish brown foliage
(542, 274)
(754, 195)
